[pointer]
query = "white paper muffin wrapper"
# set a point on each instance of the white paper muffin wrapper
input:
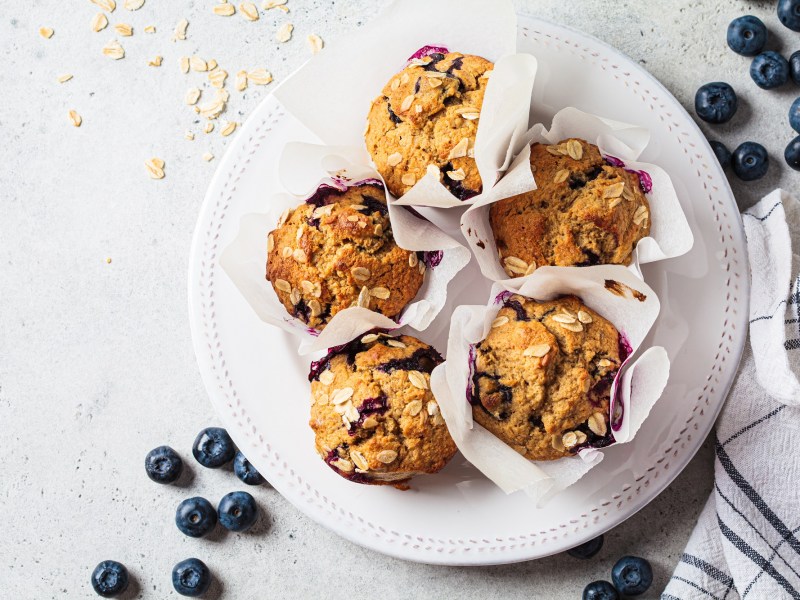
(352, 73)
(641, 378)
(244, 260)
(670, 234)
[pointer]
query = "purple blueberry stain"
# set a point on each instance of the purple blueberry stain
(645, 181)
(617, 409)
(431, 259)
(423, 360)
(427, 51)
(369, 407)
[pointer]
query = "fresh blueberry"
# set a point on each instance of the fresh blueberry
(246, 471)
(794, 66)
(238, 511)
(213, 447)
(715, 102)
(750, 161)
(769, 70)
(191, 577)
(792, 154)
(632, 575)
(195, 517)
(722, 153)
(163, 465)
(747, 35)
(600, 590)
(110, 578)
(794, 115)
(789, 13)
(587, 549)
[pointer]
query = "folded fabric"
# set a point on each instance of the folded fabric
(746, 543)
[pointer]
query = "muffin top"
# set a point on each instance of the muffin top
(337, 250)
(374, 417)
(584, 212)
(428, 114)
(541, 379)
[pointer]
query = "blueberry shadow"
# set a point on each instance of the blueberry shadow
(217, 535)
(186, 478)
(215, 590)
(262, 525)
(133, 590)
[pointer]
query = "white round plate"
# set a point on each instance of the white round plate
(259, 386)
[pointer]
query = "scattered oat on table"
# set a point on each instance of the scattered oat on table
(99, 22)
(108, 260)
(224, 10)
(46, 32)
(259, 77)
(315, 42)
(208, 157)
(217, 78)
(228, 128)
(241, 81)
(134, 4)
(189, 136)
(208, 127)
(150, 29)
(107, 5)
(180, 30)
(123, 29)
(156, 61)
(155, 168)
(198, 64)
(285, 32)
(114, 50)
(184, 64)
(192, 96)
(64, 78)
(249, 11)
(75, 118)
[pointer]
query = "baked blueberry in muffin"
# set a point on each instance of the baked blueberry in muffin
(374, 417)
(541, 379)
(427, 114)
(337, 250)
(587, 210)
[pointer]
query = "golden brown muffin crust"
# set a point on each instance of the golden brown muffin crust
(323, 259)
(542, 376)
(583, 212)
(374, 417)
(427, 114)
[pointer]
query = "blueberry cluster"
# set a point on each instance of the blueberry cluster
(630, 576)
(195, 517)
(716, 102)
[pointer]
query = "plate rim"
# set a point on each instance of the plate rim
(500, 553)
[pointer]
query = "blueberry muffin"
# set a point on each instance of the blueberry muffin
(541, 379)
(374, 417)
(428, 115)
(337, 250)
(584, 212)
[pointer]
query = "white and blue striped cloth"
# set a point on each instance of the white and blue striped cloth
(747, 541)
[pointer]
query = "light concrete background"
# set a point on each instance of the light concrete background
(96, 362)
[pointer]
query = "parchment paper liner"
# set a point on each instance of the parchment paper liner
(640, 383)
(670, 234)
(244, 259)
(349, 74)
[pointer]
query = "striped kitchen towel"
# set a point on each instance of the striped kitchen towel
(746, 543)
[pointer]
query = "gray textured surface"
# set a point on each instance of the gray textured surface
(96, 363)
